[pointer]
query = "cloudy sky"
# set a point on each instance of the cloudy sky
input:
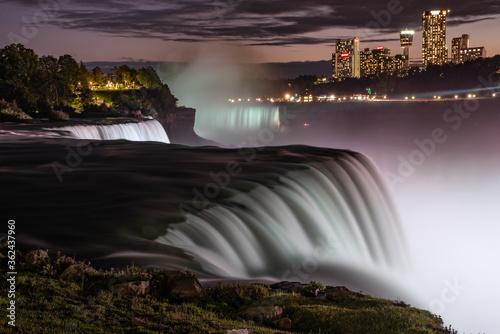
(248, 31)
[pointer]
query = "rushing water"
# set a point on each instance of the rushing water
(295, 213)
(134, 131)
(441, 162)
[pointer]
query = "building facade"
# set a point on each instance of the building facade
(378, 62)
(461, 50)
(434, 51)
(346, 59)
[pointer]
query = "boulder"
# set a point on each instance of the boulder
(237, 331)
(73, 273)
(182, 284)
(332, 292)
(132, 289)
(286, 286)
(188, 287)
(283, 323)
(262, 313)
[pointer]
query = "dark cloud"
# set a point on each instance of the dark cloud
(269, 22)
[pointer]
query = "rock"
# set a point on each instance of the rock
(286, 286)
(37, 256)
(182, 284)
(188, 287)
(332, 292)
(132, 289)
(237, 331)
(262, 313)
(283, 323)
(73, 273)
(147, 324)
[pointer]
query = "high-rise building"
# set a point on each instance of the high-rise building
(346, 59)
(406, 38)
(377, 62)
(461, 50)
(434, 51)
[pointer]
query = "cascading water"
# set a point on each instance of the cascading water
(265, 230)
(236, 119)
(290, 213)
(150, 130)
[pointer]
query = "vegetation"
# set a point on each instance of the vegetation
(10, 112)
(62, 295)
(58, 88)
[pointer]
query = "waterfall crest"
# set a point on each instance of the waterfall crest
(150, 130)
(337, 203)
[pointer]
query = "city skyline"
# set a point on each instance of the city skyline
(232, 30)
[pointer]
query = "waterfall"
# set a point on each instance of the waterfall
(236, 119)
(335, 202)
(150, 130)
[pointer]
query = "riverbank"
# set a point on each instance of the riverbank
(61, 295)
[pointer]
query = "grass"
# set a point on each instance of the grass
(49, 302)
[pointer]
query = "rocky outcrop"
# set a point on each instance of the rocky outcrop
(333, 292)
(182, 284)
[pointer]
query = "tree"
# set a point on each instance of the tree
(98, 77)
(19, 75)
(148, 78)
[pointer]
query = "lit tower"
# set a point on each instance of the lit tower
(346, 61)
(434, 51)
(406, 37)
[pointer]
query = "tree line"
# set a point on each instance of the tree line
(40, 85)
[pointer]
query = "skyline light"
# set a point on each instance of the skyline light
(256, 32)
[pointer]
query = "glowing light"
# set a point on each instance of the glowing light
(380, 48)
(413, 97)
(406, 97)
(344, 55)
(456, 96)
(408, 32)
(435, 12)
(287, 96)
(494, 95)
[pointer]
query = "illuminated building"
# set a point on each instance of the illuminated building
(434, 51)
(377, 62)
(406, 39)
(461, 51)
(346, 59)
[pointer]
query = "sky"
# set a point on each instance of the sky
(236, 30)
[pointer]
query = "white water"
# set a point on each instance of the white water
(236, 119)
(333, 213)
(150, 130)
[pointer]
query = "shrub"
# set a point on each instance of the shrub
(58, 115)
(10, 112)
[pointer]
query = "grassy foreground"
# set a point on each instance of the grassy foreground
(61, 295)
